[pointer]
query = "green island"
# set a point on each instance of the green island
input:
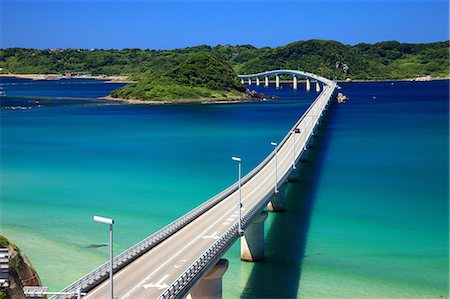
(205, 72)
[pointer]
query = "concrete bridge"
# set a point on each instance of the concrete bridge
(294, 73)
(184, 258)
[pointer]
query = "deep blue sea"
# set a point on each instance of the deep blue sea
(368, 218)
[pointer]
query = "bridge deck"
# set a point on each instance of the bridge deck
(150, 275)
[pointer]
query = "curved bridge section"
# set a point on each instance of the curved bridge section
(296, 74)
(288, 72)
(178, 259)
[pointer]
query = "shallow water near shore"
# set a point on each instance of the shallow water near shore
(369, 217)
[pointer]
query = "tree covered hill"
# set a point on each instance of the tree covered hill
(198, 75)
(385, 60)
(204, 71)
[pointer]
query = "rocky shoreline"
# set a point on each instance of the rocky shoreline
(21, 272)
(248, 96)
(417, 79)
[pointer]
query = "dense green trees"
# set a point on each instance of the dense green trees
(205, 71)
(387, 60)
(197, 75)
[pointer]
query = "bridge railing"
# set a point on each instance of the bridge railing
(101, 273)
(209, 258)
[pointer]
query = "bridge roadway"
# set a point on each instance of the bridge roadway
(162, 267)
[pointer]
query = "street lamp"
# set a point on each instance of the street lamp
(276, 165)
(110, 222)
(240, 230)
(296, 130)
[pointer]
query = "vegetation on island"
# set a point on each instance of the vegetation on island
(210, 72)
(198, 75)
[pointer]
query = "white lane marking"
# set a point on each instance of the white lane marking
(160, 285)
(212, 236)
(180, 264)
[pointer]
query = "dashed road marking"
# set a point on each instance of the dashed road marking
(212, 236)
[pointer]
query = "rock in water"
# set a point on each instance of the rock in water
(21, 272)
(252, 96)
(341, 98)
(425, 78)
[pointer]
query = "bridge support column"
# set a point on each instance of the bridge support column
(210, 287)
(266, 81)
(295, 83)
(293, 176)
(242, 81)
(308, 85)
(317, 86)
(249, 81)
(277, 81)
(278, 201)
(252, 243)
(257, 81)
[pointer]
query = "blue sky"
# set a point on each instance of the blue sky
(173, 24)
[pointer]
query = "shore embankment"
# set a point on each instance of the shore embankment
(417, 79)
(114, 79)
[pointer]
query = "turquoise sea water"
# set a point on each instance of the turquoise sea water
(369, 217)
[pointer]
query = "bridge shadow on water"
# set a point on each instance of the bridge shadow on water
(279, 275)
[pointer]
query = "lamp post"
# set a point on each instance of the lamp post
(276, 165)
(110, 222)
(240, 230)
(296, 130)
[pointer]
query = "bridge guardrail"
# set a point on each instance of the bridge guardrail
(214, 252)
(101, 273)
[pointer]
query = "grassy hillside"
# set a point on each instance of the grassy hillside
(198, 75)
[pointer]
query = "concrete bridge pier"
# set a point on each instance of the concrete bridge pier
(278, 201)
(277, 81)
(210, 287)
(266, 81)
(317, 86)
(308, 84)
(252, 243)
(257, 81)
(293, 176)
(295, 82)
(249, 81)
(242, 81)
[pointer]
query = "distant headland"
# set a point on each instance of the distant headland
(205, 73)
